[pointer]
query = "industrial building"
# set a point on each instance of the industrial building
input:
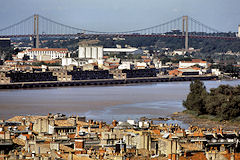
(14, 77)
(140, 73)
(44, 53)
(90, 52)
(97, 52)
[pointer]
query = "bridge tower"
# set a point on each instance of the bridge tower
(36, 31)
(185, 31)
(238, 31)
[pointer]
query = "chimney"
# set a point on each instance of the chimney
(185, 154)
(78, 129)
(31, 126)
(100, 124)
(90, 121)
(70, 156)
(114, 123)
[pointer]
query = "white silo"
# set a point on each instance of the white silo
(88, 52)
(100, 52)
(94, 52)
(82, 52)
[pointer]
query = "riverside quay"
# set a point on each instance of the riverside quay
(15, 79)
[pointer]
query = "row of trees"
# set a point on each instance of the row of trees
(223, 102)
(6, 53)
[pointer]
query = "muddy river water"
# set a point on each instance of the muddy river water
(105, 103)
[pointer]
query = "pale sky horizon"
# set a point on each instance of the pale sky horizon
(123, 15)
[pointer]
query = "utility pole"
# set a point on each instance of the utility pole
(185, 31)
(36, 31)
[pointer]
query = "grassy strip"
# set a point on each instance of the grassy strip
(210, 117)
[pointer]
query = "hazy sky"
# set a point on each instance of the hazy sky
(122, 15)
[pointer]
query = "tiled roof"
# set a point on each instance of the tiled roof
(50, 49)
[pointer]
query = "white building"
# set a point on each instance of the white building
(121, 50)
(20, 55)
(186, 64)
(157, 63)
(90, 52)
(125, 65)
(72, 61)
(52, 53)
(216, 72)
(179, 52)
(81, 62)
(141, 65)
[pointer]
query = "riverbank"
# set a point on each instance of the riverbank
(205, 121)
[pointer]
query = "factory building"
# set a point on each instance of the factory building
(97, 52)
(44, 53)
(90, 52)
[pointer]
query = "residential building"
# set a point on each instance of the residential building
(57, 136)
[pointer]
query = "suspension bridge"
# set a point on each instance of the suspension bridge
(185, 27)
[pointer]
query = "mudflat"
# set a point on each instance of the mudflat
(205, 123)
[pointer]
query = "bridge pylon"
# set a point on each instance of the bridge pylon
(36, 31)
(238, 35)
(185, 31)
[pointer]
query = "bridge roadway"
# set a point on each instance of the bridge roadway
(122, 35)
(103, 81)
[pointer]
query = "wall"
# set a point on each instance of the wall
(41, 125)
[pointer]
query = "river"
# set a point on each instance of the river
(120, 102)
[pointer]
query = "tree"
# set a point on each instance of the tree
(214, 102)
(196, 99)
(25, 57)
(6, 53)
(224, 102)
